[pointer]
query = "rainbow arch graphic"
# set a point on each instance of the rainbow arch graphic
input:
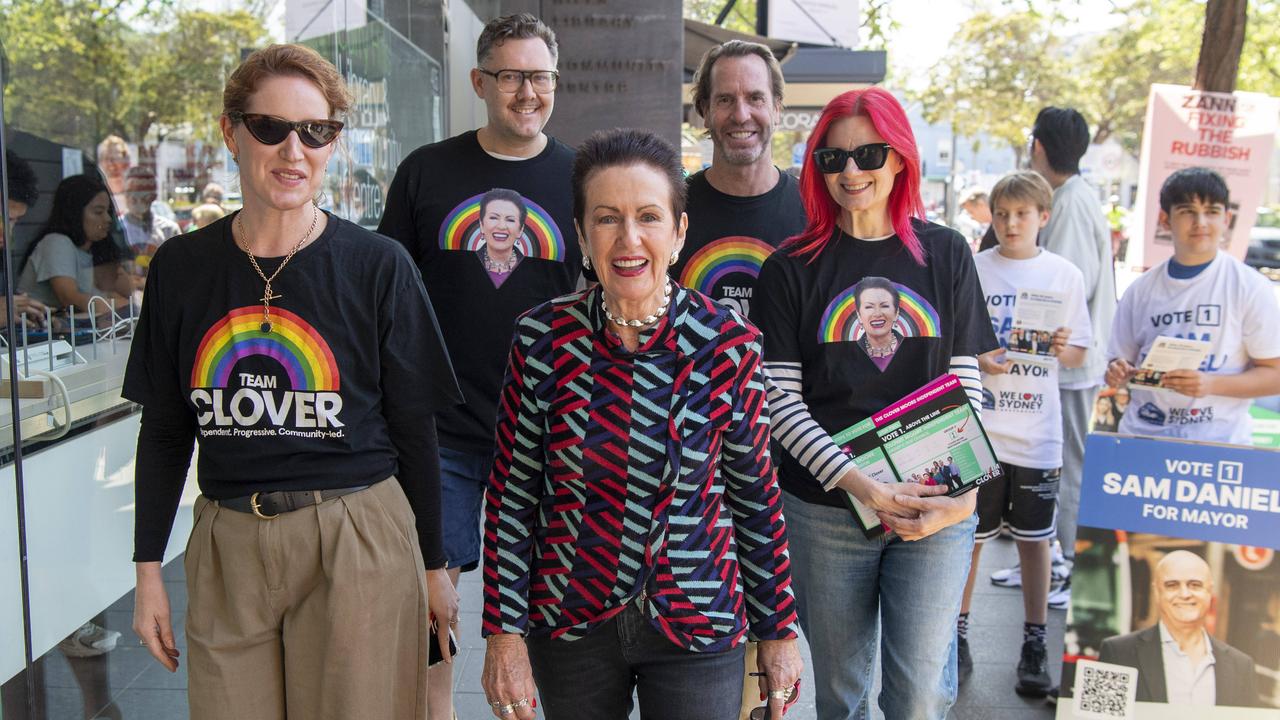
(726, 256)
(541, 237)
(292, 342)
(916, 317)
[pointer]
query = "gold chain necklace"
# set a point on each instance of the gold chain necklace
(267, 295)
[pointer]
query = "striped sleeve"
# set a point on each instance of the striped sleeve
(965, 367)
(795, 428)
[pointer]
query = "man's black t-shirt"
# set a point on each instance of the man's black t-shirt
(807, 314)
(729, 237)
(333, 396)
(433, 208)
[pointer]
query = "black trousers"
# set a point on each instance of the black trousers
(592, 678)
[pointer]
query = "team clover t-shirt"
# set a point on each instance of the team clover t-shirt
(730, 236)
(808, 315)
(433, 208)
(1229, 305)
(332, 396)
(1021, 410)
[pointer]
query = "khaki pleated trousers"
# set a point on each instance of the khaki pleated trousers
(318, 614)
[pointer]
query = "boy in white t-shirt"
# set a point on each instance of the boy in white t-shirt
(1202, 294)
(1021, 408)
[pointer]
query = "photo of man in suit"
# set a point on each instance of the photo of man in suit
(1178, 662)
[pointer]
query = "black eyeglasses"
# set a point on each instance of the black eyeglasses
(271, 130)
(866, 157)
(543, 81)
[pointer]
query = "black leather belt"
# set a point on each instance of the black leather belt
(268, 505)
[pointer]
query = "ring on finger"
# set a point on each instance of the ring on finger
(506, 709)
(522, 702)
(779, 694)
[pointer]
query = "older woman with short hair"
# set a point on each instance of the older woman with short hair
(633, 531)
(303, 354)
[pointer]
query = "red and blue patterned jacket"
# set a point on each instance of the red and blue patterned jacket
(642, 476)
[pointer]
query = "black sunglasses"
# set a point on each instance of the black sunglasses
(866, 157)
(271, 130)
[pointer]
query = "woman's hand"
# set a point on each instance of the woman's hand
(508, 678)
(882, 497)
(151, 619)
(931, 513)
(780, 665)
(442, 599)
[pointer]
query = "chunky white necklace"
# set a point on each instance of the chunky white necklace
(648, 319)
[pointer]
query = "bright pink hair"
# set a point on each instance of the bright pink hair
(905, 203)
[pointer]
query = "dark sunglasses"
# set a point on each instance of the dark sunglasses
(271, 130)
(866, 157)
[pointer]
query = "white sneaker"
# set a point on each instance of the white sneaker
(1011, 577)
(1060, 596)
(89, 640)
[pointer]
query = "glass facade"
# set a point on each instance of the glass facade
(110, 130)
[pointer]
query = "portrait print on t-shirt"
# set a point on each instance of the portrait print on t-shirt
(877, 314)
(502, 229)
(726, 270)
(250, 383)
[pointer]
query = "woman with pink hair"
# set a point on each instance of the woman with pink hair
(861, 189)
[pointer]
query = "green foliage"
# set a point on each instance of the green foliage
(999, 70)
(877, 24)
(77, 71)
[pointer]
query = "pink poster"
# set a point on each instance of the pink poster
(1233, 133)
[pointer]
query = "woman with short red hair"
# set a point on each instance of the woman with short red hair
(861, 189)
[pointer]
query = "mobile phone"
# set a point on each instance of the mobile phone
(434, 655)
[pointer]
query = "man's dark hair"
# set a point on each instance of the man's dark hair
(1193, 183)
(23, 185)
(1064, 135)
(618, 147)
(520, 26)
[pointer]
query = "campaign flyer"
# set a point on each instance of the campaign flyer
(931, 436)
(1170, 353)
(861, 443)
(1175, 603)
(1036, 316)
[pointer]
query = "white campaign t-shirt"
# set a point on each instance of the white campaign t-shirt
(1021, 410)
(1228, 304)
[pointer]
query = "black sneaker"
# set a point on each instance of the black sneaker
(1033, 670)
(965, 664)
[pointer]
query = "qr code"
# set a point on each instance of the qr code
(1104, 691)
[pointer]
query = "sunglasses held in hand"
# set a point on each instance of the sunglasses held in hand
(866, 157)
(762, 712)
(271, 130)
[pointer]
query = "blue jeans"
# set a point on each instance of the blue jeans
(591, 678)
(844, 583)
(463, 480)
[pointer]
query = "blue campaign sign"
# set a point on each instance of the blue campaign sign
(1222, 493)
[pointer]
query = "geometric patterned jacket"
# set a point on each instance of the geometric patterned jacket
(636, 477)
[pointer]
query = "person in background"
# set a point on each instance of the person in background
(210, 207)
(24, 191)
(899, 592)
(115, 159)
(976, 220)
(144, 230)
(1078, 232)
(315, 557)
(433, 210)
(61, 267)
